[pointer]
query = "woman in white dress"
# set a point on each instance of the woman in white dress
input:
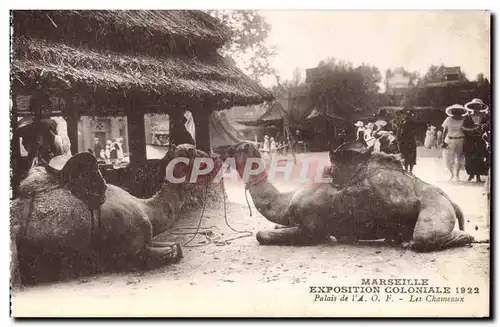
(272, 148)
(433, 137)
(266, 146)
(120, 154)
(454, 137)
(427, 140)
(369, 138)
(360, 132)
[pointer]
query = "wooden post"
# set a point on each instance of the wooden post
(202, 125)
(136, 135)
(72, 116)
(175, 126)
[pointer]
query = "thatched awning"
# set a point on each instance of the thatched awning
(54, 65)
(133, 31)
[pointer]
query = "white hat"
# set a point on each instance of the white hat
(457, 107)
(381, 123)
(359, 123)
(477, 104)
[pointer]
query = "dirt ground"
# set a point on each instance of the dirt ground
(242, 278)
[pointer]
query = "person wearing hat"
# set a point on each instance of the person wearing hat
(474, 146)
(360, 133)
(266, 147)
(454, 137)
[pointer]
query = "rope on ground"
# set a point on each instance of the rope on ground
(247, 233)
(248, 202)
(201, 217)
(207, 231)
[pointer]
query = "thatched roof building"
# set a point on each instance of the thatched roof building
(104, 63)
(167, 58)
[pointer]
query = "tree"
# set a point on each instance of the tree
(283, 86)
(371, 77)
(335, 65)
(343, 89)
(297, 77)
(247, 47)
(480, 78)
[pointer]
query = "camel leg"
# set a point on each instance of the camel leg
(455, 239)
(175, 248)
(155, 256)
(280, 226)
(290, 236)
(142, 251)
(435, 227)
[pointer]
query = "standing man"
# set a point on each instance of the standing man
(407, 142)
(97, 147)
(298, 140)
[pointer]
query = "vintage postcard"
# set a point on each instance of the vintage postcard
(250, 163)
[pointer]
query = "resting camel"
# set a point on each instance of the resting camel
(370, 197)
(65, 212)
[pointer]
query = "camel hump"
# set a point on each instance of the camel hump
(352, 147)
(350, 151)
(81, 175)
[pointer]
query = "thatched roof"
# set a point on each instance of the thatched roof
(174, 78)
(151, 31)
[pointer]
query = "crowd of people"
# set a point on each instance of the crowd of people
(113, 150)
(464, 138)
(270, 146)
(466, 133)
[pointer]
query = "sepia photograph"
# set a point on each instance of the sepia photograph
(247, 163)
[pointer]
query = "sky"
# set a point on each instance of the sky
(386, 39)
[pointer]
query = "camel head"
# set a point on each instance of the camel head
(183, 169)
(241, 151)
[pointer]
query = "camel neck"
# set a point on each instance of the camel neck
(164, 206)
(270, 202)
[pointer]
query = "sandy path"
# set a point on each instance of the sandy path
(243, 278)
